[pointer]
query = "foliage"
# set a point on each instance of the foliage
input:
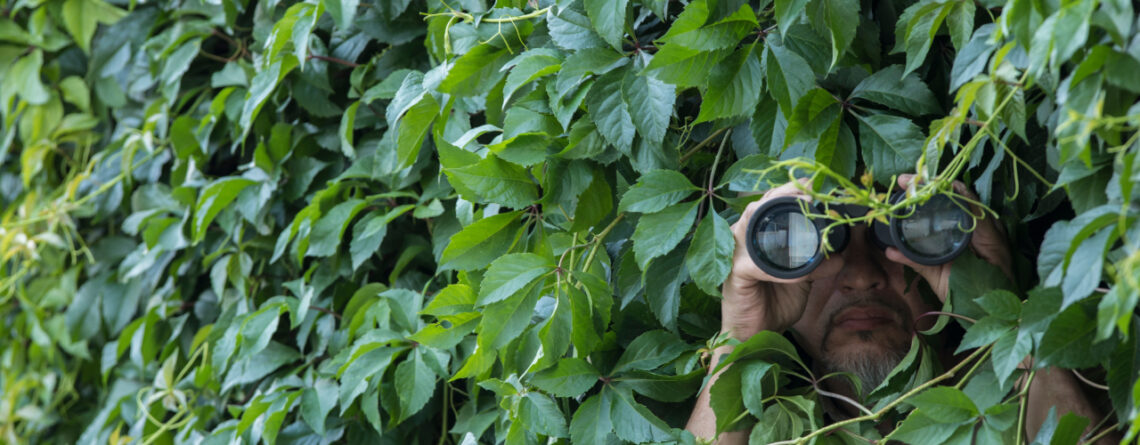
(417, 221)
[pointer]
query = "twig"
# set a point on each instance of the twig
(1101, 434)
(701, 145)
(327, 311)
(334, 60)
(1086, 381)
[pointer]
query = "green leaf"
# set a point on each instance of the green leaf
(571, 30)
(594, 204)
(1070, 341)
(511, 274)
(411, 128)
(362, 366)
(449, 331)
(685, 67)
(960, 23)
(664, 388)
(726, 399)
(648, 351)
(416, 383)
(655, 191)
(1002, 304)
(569, 377)
(596, 61)
(752, 385)
(726, 33)
(1083, 273)
(610, 112)
(608, 17)
(920, 428)
(528, 67)
(483, 241)
(984, 332)
(1009, 351)
(342, 11)
(837, 19)
(542, 416)
(346, 126)
(262, 86)
(891, 145)
(709, 259)
(316, 402)
(369, 232)
(216, 197)
(329, 230)
(947, 404)
(924, 22)
(658, 233)
(651, 104)
(734, 86)
(813, 115)
(591, 424)
(788, 13)
(474, 73)
(789, 76)
(497, 181)
(663, 279)
(907, 94)
(634, 422)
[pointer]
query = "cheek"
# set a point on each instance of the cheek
(810, 327)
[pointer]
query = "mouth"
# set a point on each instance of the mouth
(865, 318)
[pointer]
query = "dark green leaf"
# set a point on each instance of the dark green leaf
(569, 377)
(709, 259)
(907, 94)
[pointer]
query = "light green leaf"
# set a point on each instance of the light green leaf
(23, 78)
(329, 230)
(81, 17)
(346, 126)
(478, 244)
(634, 422)
(510, 274)
(216, 197)
(528, 67)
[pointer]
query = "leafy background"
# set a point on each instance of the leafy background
(410, 222)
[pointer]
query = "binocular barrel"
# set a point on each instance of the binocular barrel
(786, 243)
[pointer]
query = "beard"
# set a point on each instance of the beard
(870, 368)
(882, 349)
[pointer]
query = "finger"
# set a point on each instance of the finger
(935, 276)
(789, 189)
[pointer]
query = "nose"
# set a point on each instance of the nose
(861, 271)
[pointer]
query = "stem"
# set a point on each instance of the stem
(334, 60)
(701, 145)
(889, 406)
(598, 240)
(1100, 435)
(1023, 409)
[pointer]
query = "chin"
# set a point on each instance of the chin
(870, 357)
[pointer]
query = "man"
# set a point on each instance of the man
(856, 313)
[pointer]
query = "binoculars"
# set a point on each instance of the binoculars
(786, 243)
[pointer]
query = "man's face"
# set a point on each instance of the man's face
(861, 318)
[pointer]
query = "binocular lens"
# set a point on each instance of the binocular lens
(787, 239)
(785, 243)
(935, 230)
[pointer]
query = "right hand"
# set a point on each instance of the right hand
(755, 301)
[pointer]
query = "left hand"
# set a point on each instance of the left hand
(988, 242)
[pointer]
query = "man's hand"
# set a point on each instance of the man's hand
(988, 242)
(753, 300)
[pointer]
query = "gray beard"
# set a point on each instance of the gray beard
(871, 369)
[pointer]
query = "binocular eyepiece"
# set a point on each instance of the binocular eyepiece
(786, 243)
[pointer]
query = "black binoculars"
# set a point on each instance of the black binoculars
(786, 243)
